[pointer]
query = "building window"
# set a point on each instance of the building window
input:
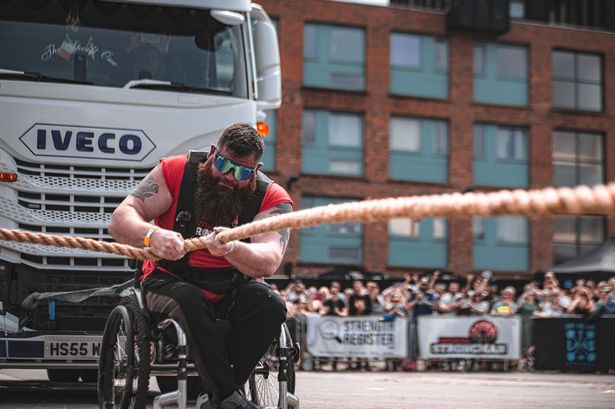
(500, 156)
(334, 57)
(340, 243)
(418, 149)
(268, 158)
(578, 158)
(404, 228)
(573, 236)
(577, 80)
(511, 62)
(500, 243)
(500, 74)
(517, 8)
(418, 243)
(332, 143)
(419, 65)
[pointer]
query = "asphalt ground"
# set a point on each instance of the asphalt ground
(370, 390)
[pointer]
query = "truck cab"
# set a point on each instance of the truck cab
(92, 94)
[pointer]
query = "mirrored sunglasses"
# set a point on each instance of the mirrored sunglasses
(223, 165)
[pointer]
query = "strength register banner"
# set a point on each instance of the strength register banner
(356, 337)
(478, 337)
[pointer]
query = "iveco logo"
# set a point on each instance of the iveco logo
(86, 142)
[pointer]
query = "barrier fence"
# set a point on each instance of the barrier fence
(574, 344)
(564, 343)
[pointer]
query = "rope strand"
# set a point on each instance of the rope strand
(599, 199)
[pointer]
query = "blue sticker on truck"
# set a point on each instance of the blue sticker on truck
(26, 349)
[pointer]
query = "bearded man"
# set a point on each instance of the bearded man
(217, 191)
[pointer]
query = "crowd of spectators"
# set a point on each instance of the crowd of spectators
(429, 294)
(426, 295)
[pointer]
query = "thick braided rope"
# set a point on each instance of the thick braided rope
(75, 242)
(580, 200)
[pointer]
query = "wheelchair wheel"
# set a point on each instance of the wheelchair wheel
(263, 386)
(124, 365)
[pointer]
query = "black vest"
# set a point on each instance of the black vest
(217, 280)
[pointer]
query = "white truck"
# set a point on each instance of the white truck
(92, 94)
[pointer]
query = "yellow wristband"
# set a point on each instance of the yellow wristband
(148, 237)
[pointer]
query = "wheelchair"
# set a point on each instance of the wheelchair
(134, 347)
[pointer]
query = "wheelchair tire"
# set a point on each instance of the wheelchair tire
(263, 387)
(124, 365)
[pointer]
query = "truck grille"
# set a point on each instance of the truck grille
(68, 200)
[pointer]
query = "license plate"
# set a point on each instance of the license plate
(73, 347)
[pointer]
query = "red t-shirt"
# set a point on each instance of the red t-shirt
(173, 171)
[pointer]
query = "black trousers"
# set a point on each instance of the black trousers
(225, 339)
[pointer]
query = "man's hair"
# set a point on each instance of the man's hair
(242, 140)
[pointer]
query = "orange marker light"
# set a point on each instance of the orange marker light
(8, 177)
(262, 129)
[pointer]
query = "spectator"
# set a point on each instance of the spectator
(582, 304)
(359, 292)
(376, 297)
(505, 306)
(464, 307)
(451, 301)
(606, 300)
(528, 305)
(394, 305)
(340, 293)
(528, 302)
(296, 293)
(322, 294)
(334, 305)
(479, 284)
(359, 307)
(478, 305)
(348, 292)
(549, 283)
(423, 300)
(551, 306)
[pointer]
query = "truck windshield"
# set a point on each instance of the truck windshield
(111, 44)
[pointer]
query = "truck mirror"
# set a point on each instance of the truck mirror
(267, 61)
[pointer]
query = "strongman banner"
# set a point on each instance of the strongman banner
(358, 337)
(479, 337)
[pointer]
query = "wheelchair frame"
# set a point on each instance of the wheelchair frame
(131, 337)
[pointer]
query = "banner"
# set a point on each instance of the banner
(478, 337)
(356, 337)
(574, 344)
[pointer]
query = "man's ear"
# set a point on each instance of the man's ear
(259, 166)
(212, 149)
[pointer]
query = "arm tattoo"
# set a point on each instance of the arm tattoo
(285, 233)
(146, 188)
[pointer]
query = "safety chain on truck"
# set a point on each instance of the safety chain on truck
(598, 199)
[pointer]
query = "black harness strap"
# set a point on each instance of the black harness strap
(185, 224)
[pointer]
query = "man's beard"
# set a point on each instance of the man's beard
(216, 205)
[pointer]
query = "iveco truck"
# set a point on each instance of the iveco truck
(92, 94)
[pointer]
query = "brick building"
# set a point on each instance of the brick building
(382, 101)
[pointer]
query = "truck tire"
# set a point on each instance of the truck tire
(124, 358)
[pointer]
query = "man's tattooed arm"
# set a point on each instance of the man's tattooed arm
(284, 233)
(146, 188)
